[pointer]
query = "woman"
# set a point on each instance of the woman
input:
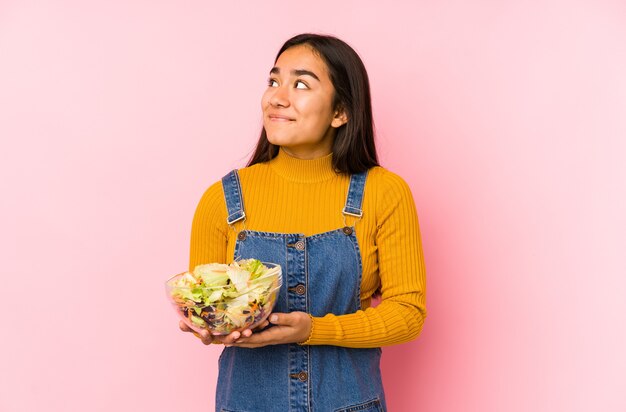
(314, 200)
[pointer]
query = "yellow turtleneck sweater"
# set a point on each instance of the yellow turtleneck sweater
(290, 195)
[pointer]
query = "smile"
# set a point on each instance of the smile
(280, 118)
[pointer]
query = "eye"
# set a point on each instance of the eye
(272, 83)
(301, 83)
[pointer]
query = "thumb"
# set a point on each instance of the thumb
(281, 319)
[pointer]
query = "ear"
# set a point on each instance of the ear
(339, 119)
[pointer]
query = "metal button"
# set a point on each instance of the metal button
(303, 376)
(241, 235)
(300, 245)
(300, 290)
(347, 230)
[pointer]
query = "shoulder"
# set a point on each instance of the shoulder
(387, 183)
(212, 209)
(388, 191)
(244, 173)
(255, 171)
(214, 194)
(212, 199)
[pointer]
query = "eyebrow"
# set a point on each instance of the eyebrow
(297, 72)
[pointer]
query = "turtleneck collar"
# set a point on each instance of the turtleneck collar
(299, 170)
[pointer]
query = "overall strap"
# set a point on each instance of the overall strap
(232, 194)
(355, 195)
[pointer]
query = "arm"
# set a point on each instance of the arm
(209, 243)
(209, 230)
(400, 315)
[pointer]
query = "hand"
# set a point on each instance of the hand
(294, 327)
(207, 338)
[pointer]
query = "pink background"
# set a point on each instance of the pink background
(508, 120)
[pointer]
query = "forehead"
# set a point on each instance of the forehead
(302, 57)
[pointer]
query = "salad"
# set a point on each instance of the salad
(226, 297)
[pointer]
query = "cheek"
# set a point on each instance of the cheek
(318, 112)
(313, 107)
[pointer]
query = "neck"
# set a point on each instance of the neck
(303, 170)
(306, 154)
(315, 150)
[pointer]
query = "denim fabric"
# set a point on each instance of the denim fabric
(234, 200)
(293, 377)
(355, 195)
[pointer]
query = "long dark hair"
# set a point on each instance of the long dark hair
(354, 150)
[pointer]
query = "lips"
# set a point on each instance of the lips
(280, 118)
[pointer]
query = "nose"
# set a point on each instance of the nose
(280, 97)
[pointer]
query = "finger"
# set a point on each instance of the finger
(266, 337)
(262, 326)
(287, 319)
(246, 333)
(183, 326)
(205, 336)
(230, 338)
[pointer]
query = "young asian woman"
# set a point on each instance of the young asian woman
(314, 199)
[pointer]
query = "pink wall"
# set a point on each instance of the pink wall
(508, 119)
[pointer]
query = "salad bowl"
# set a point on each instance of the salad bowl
(224, 298)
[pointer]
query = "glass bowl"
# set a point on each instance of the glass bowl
(233, 305)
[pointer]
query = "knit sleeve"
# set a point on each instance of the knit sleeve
(209, 229)
(400, 315)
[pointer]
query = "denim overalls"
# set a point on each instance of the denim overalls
(321, 274)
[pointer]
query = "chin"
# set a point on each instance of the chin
(278, 140)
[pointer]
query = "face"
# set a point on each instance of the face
(298, 112)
